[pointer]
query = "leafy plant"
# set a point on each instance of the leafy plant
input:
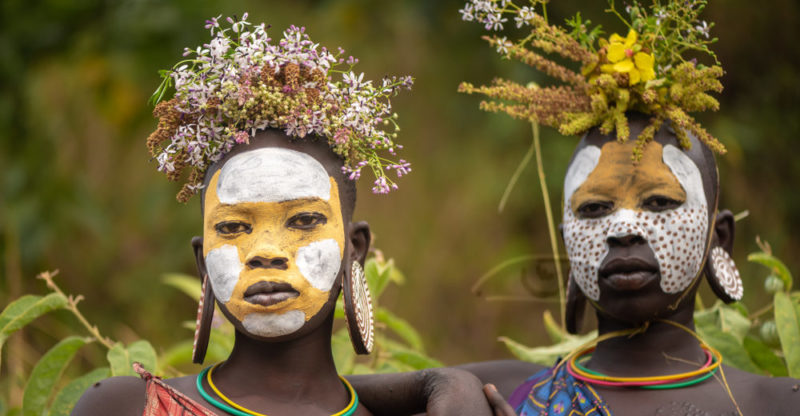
(398, 346)
(42, 396)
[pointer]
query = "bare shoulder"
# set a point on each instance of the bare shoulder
(779, 394)
(124, 394)
(772, 395)
(506, 375)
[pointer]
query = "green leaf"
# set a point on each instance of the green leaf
(343, 354)
(143, 352)
(414, 359)
(338, 311)
(546, 355)
(400, 327)
(220, 345)
(788, 322)
(376, 279)
(120, 361)
(554, 330)
(65, 399)
(774, 264)
(189, 285)
(393, 366)
(733, 353)
(24, 310)
(764, 357)
(726, 318)
(362, 369)
(46, 374)
(177, 355)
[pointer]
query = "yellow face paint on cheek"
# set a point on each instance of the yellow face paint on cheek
(297, 242)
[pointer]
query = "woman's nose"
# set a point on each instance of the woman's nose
(625, 240)
(268, 262)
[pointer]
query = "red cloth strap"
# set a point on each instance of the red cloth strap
(163, 400)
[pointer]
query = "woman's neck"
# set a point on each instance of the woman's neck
(298, 371)
(660, 349)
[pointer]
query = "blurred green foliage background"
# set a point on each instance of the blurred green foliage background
(78, 191)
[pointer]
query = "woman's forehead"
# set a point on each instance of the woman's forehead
(272, 174)
(612, 169)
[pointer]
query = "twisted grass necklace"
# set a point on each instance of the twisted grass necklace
(235, 409)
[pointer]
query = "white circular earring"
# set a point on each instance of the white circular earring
(358, 309)
(724, 276)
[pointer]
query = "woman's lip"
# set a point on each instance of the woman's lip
(626, 265)
(269, 299)
(268, 287)
(629, 281)
(269, 293)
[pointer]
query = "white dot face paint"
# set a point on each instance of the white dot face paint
(223, 267)
(274, 324)
(319, 262)
(676, 236)
(273, 215)
(272, 174)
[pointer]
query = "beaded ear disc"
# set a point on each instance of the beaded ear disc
(358, 309)
(202, 330)
(723, 276)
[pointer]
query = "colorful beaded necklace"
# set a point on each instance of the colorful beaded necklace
(713, 360)
(235, 409)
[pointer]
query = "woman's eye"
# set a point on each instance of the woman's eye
(659, 203)
(306, 220)
(595, 209)
(232, 227)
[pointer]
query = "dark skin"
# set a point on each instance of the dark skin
(662, 349)
(295, 374)
(289, 374)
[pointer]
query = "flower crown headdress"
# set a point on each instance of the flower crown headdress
(645, 71)
(240, 82)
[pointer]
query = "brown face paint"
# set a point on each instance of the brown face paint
(616, 179)
(289, 251)
(659, 200)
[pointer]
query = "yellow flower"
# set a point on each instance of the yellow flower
(625, 56)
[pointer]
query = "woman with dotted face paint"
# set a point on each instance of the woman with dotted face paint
(639, 237)
(640, 223)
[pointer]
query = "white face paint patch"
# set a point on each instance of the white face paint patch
(265, 209)
(223, 267)
(319, 263)
(582, 166)
(273, 324)
(676, 236)
(272, 174)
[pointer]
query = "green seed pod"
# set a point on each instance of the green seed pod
(769, 334)
(773, 284)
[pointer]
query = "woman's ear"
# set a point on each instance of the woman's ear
(200, 261)
(360, 239)
(720, 269)
(724, 230)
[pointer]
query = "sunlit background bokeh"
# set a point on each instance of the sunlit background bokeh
(79, 193)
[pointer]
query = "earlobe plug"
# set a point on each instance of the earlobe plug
(723, 276)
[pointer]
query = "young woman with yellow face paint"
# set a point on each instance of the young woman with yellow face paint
(277, 239)
(273, 135)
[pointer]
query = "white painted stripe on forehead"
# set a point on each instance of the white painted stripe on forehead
(582, 165)
(688, 174)
(272, 174)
